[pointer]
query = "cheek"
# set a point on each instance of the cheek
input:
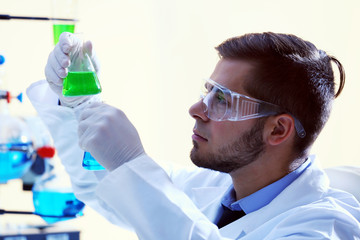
(224, 133)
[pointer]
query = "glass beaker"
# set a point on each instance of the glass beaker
(66, 9)
(82, 78)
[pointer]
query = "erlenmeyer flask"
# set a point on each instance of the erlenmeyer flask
(90, 163)
(16, 148)
(53, 196)
(82, 78)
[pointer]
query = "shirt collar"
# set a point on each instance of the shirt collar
(263, 196)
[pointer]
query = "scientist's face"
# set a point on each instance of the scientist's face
(226, 145)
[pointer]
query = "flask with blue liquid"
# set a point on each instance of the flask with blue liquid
(90, 163)
(54, 199)
(16, 143)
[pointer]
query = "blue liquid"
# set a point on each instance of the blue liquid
(90, 163)
(14, 164)
(57, 204)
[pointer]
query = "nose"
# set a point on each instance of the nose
(197, 111)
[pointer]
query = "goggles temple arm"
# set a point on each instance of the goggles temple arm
(274, 109)
(299, 128)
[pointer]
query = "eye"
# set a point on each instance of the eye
(220, 97)
(208, 88)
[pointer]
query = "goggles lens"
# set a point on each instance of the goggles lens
(216, 104)
(222, 104)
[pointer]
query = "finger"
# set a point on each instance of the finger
(91, 109)
(56, 89)
(55, 66)
(75, 43)
(62, 58)
(52, 77)
(86, 132)
(65, 42)
(52, 72)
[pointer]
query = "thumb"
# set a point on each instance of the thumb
(68, 42)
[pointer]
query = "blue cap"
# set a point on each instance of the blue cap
(20, 97)
(2, 59)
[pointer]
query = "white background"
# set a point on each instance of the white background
(154, 54)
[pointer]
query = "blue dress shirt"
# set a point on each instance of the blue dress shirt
(263, 196)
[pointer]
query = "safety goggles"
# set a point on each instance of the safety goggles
(222, 104)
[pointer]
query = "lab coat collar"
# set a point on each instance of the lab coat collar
(305, 189)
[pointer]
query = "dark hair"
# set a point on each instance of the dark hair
(291, 73)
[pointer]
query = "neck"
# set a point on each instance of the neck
(262, 172)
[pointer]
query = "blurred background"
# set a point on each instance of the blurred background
(154, 54)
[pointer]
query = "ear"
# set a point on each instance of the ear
(279, 129)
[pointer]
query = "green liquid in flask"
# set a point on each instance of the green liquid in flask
(80, 84)
(60, 28)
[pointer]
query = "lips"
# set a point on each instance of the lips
(197, 136)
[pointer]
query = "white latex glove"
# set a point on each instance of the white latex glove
(59, 60)
(108, 135)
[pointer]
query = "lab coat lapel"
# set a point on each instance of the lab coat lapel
(234, 230)
(208, 200)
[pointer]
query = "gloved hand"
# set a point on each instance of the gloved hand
(108, 135)
(59, 60)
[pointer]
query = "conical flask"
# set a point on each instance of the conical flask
(53, 198)
(82, 78)
(16, 147)
(90, 163)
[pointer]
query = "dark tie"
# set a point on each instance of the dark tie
(229, 216)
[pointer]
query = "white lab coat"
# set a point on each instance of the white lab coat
(163, 205)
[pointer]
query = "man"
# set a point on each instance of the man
(265, 103)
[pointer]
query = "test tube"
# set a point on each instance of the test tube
(63, 9)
